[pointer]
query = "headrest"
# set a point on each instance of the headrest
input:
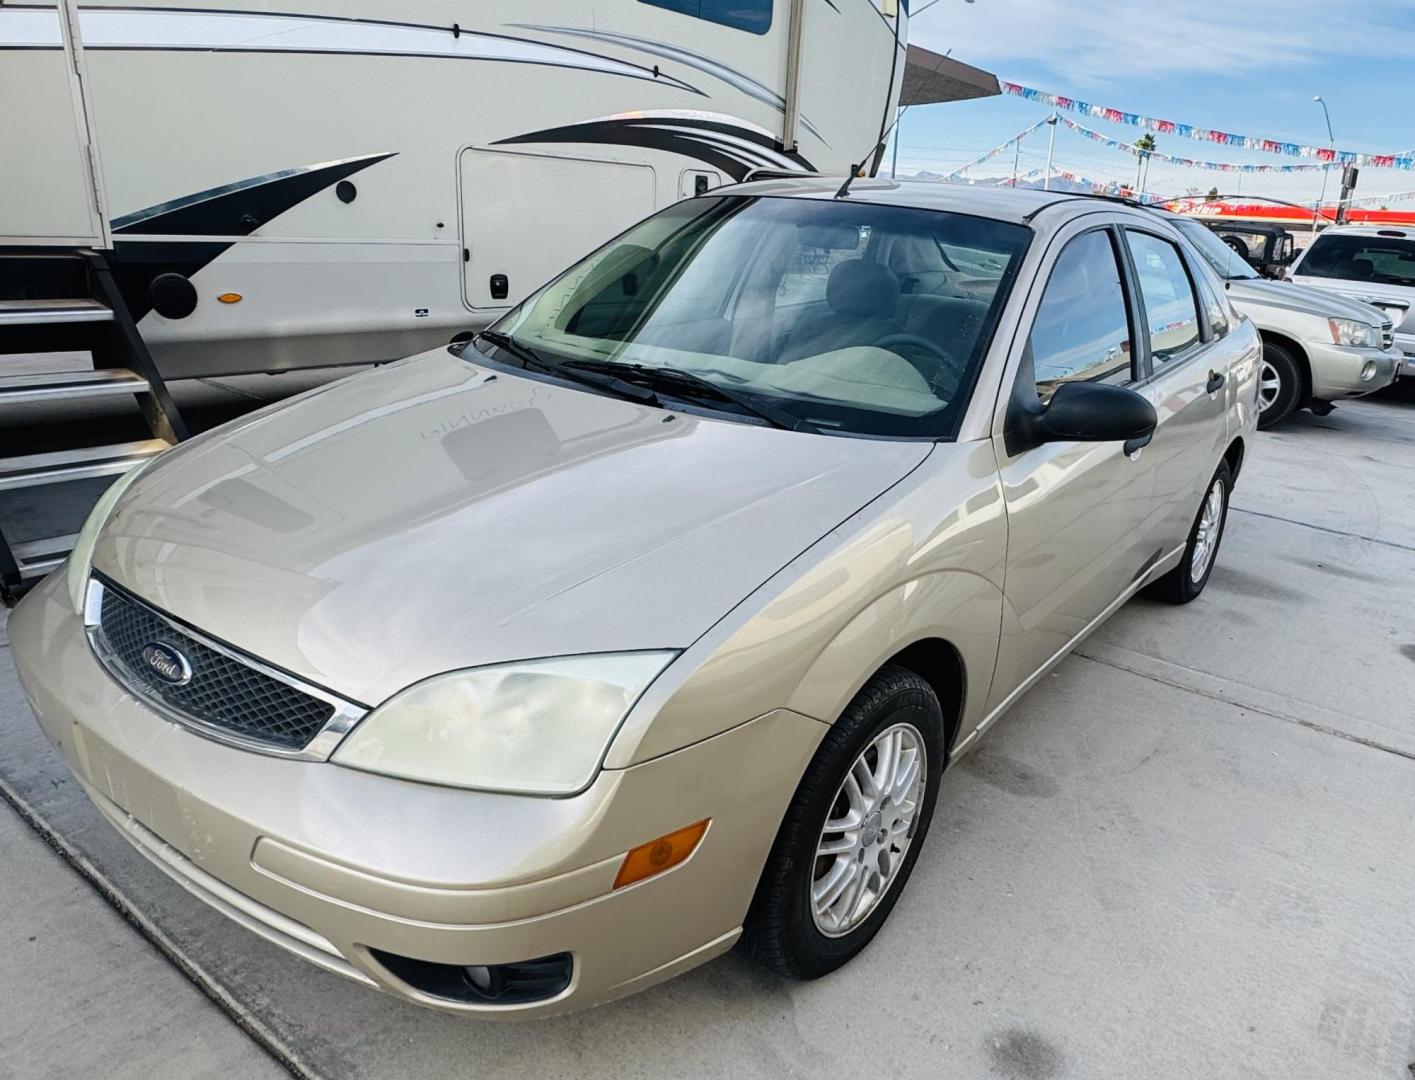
(862, 289)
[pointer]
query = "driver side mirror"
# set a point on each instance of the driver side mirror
(1085, 412)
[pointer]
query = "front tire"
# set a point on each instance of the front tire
(853, 831)
(1279, 385)
(1187, 580)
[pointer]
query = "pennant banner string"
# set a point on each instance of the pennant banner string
(1215, 166)
(1402, 160)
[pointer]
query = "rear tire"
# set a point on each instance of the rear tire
(792, 927)
(1280, 385)
(1187, 580)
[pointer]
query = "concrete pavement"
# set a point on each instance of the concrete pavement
(1185, 854)
(82, 995)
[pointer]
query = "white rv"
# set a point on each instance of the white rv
(318, 182)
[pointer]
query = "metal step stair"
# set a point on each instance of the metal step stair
(52, 312)
(68, 385)
(57, 301)
(57, 466)
(36, 558)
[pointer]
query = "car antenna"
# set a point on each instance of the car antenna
(878, 147)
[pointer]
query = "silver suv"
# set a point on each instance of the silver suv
(1373, 265)
(1318, 347)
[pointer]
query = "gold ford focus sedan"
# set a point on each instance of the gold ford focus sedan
(524, 674)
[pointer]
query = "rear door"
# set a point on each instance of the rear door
(526, 217)
(1186, 373)
(50, 188)
(1076, 511)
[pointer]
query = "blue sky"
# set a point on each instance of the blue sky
(1247, 66)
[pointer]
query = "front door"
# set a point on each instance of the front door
(1076, 512)
(50, 189)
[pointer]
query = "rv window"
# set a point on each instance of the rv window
(751, 15)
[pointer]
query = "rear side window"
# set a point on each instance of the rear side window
(754, 16)
(1385, 260)
(1213, 306)
(1171, 312)
(1082, 329)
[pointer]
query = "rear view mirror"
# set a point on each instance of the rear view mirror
(1084, 412)
(1098, 412)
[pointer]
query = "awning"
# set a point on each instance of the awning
(930, 78)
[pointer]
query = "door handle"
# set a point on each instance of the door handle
(1215, 383)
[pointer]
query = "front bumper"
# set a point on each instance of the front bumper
(330, 863)
(1336, 370)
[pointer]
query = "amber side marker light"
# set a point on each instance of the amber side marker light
(659, 855)
(230, 298)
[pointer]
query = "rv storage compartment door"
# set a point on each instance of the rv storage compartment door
(529, 216)
(47, 189)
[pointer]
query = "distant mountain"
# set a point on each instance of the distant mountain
(1058, 183)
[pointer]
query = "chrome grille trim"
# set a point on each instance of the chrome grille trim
(341, 721)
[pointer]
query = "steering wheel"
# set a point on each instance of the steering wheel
(943, 376)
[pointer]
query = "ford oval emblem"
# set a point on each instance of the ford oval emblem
(167, 663)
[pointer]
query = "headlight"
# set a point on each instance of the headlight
(81, 558)
(538, 727)
(1353, 333)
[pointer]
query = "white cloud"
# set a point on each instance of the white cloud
(1092, 44)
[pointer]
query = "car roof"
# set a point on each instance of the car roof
(1001, 203)
(1395, 232)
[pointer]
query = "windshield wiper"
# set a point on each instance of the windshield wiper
(672, 379)
(570, 370)
(770, 413)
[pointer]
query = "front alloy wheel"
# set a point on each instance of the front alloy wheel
(853, 831)
(868, 833)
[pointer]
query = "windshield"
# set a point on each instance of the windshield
(840, 316)
(1383, 260)
(1227, 263)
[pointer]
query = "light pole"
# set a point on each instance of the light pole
(1326, 167)
(894, 159)
(1051, 145)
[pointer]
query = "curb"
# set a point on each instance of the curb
(280, 1051)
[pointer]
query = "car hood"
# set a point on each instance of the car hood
(1299, 298)
(434, 515)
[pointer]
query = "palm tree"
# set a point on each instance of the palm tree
(1144, 144)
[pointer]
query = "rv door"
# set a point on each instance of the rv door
(51, 188)
(526, 217)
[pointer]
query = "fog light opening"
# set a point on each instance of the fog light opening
(483, 984)
(1368, 371)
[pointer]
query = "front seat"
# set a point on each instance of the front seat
(862, 297)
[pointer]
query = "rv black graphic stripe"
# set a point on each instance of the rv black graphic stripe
(732, 149)
(231, 210)
(240, 208)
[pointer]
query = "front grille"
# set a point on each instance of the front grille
(1387, 337)
(223, 692)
